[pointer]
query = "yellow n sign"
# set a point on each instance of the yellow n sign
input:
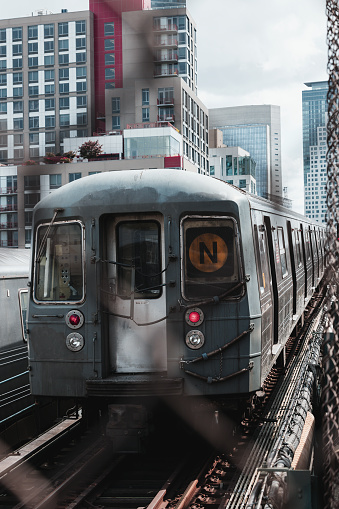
(208, 252)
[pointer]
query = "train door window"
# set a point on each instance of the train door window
(23, 305)
(261, 247)
(211, 258)
(59, 273)
(307, 245)
(282, 251)
(298, 247)
(139, 259)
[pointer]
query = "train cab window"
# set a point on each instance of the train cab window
(211, 258)
(59, 274)
(282, 251)
(139, 259)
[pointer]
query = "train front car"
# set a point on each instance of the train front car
(144, 284)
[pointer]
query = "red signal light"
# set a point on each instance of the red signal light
(74, 320)
(194, 317)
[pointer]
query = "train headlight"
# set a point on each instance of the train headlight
(195, 339)
(194, 316)
(74, 319)
(75, 342)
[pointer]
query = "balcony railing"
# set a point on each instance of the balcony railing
(165, 28)
(166, 58)
(150, 125)
(8, 190)
(166, 118)
(170, 42)
(165, 101)
(8, 226)
(8, 243)
(8, 208)
(158, 73)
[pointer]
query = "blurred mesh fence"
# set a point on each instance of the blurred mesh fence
(330, 386)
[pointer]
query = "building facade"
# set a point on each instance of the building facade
(316, 179)
(256, 129)
(314, 110)
(46, 85)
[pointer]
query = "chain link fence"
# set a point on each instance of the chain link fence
(330, 385)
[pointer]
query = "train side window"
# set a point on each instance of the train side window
(211, 258)
(307, 245)
(23, 305)
(59, 272)
(261, 247)
(282, 251)
(298, 247)
(139, 259)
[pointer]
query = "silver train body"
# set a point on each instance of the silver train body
(162, 282)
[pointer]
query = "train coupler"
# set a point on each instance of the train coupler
(127, 426)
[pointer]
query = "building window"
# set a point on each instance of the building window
(33, 105)
(55, 181)
(81, 86)
(63, 59)
(17, 91)
(145, 96)
(33, 90)
(64, 103)
(33, 77)
(49, 75)
(63, 88)
(3, 51)
(49, 60)
(109, 44)
(17, 78)
(109, 73)
(63, 45)
(49, 104)
(49, 30)
(17, 34)
(17, 49)
(3, 65)
(34, 122)
(3, 93)
(18, 124)
(32, 47)
(3, 35)
(49, 121)
(115, 104)
(50, 137)
(64, 119)
(116, 122)
(80, 43)
(74, 176)
(82, 101)
(81, 72)
(63, 29)
(109, 59)
(109, 85)
(33, 61)
(80, 27)
(18, 139)
(16, 63)
(108, 29)
(63, 74)
(49, 46)
(18, 106)
(3, 140)
(33, 32)
(81, 57)
(3, 155)
(81, 118)
(34, 138)
(242, 184)
(145, 114)
(49, 89)
(3, 107)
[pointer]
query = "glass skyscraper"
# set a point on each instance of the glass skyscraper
(314, 106)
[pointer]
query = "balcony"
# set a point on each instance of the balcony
(8, 190)
(166, 118)
(8, 226)
(165, 101)
(168, 42)
(160, 73)
(169, 28)
(170, 57)
(8, 208)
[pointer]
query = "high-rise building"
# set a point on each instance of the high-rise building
(46, 85)
(314, 109)
(316, 179)
(256, 129)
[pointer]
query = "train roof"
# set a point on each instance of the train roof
(14, 262)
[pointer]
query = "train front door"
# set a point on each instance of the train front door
(136, 306)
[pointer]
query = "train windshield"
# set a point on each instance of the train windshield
(211, 258)
(59, 274)
(138, 257)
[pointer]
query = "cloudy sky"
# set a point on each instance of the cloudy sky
(249, 52)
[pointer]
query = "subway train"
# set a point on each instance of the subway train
(164, 283)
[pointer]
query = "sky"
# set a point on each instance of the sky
(249, 52)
